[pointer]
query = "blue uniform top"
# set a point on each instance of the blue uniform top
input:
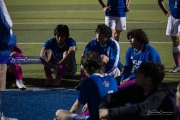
(118, 8)
(57, 51)
(7, 37)
(111, 49)
(148, 53)
(93, 89)
(174, 8)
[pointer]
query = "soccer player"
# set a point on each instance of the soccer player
(139, 52)
(7, 40)
(108, 48)
(115, 15)
(149, 99)
(61, 58)
(15, 70)
(92, 89)
(173, 29)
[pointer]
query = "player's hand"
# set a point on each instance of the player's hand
(13, 53)
(103, 114)
(124, 81)
(107, 9)
(84, 109)
(127, 8)
(168, 13)
(104, 58)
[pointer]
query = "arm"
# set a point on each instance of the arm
(163, 8)
(44, 59)
(128, 67)
(127, 5)
(114, 56)
(104, 7)
(5, 20)
(76, 106)
(66, 58)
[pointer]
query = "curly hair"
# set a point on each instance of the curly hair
(61, 29)
(153, 70)
(104, 29)
(91, 61)
(139, 35)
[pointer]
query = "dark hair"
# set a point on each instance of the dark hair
(139, 35)
(61, 29)
(91, 61)
(104, 29)
(153, 70)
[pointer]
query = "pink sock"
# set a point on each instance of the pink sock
(176, 56)
(47, 72)
(62, 69)
(83, 75)
(18, 72)
(127, 84)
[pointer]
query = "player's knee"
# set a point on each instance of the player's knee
(58, 112)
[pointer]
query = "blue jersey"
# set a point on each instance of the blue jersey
(174, 8)
(148, 53)
(111, 49)
(57, 51)
(7, 37)
(118, 8)
(93, 89)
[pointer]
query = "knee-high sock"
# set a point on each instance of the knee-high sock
(47, 72)
(18, 72)
(127, 84)
(176, 55)
(62, 69)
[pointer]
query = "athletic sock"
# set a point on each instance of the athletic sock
(176, 55)
(62, 69)
(47, 72)
(18, 72)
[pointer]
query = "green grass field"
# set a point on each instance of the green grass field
(34, 21)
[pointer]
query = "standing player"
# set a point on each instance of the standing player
(115, 15)
(139, 52)
(101, 83)
(7, 40)
(108, 48)
(173, 29)
(61, 58)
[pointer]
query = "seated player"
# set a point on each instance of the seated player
(139, 52)
(58, 56)
(109, 50)
(149, 100)
(92, 89)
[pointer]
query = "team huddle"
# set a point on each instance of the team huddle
(106, 84)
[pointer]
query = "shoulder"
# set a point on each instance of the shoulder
(71, 39)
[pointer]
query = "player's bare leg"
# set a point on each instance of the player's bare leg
(176, 52)
(116, 34)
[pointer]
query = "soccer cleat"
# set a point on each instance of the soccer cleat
(49, 81)
(6, 118)
(20, 85)
(56, 82)
(175, 69)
